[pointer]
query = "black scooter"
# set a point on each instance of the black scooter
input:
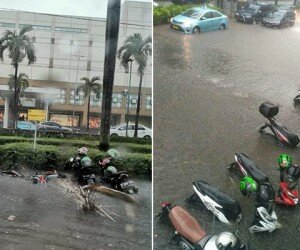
(190, 236)
(265, 216)
(221, 204)
(281, 133)
(84, 173)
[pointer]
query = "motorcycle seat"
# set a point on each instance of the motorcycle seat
(186, 225)
(215, 193)
(257, 174)
(292, 137)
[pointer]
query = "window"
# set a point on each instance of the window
(117, 100)
(79, 99)
(50, 63)
(216, 14)
(72, 30)
(52, 40)
(133, 101)
(141, 128)
(149, 102)
(90, 43)
(89, 64)
(36, 27)
(95, 102)
(8, 25)
(207, 15)
(61, 99)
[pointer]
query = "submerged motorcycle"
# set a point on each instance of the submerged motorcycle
(221, 204)
(265, 216)
(281, 133)
(118, 180)
(82, 164)
(191, 236)
(288, 193)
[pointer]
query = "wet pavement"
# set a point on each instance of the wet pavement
(47, 218)
(207, 90)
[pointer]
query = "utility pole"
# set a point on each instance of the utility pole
(111, 44)
(128, 97)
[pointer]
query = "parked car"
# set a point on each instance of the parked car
(23, 125)
(52, 127)
(120, 130)
(198, 19)
(280, 19)
(254, 12)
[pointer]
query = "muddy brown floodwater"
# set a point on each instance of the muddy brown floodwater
(207, 91)
(47, 218)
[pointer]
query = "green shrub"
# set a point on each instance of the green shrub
(127, 147)
(163, 14)
(49, 156)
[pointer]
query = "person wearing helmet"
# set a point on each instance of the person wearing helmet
(82, 151)
(284, 162)
(110, 171)
(248, 185)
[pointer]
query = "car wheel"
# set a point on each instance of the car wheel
(254, 21)
(113, 135)
(196, 30)
(222, 27)
(147, 137)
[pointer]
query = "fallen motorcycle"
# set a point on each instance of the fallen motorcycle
(190, 235)
(280, 132)
(221, 204)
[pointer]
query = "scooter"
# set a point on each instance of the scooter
(265, 217)
(190, 235)
(118, 180)
(243, 166)
(281, 133)
(288, 193)
(221, 204)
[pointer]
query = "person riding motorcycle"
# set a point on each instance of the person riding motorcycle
(248, 186)
(106, 168)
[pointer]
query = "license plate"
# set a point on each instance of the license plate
(175, 27)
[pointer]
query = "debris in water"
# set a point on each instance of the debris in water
(11, 218)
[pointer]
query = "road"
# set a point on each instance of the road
(207, 90)
(48, 218)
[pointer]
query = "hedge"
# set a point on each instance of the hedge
(49, 156)
(128, 147)
(163, 14)
(86, 137)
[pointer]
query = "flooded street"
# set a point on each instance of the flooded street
(207, 92)
(47, 218)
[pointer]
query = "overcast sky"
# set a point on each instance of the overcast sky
(92, 8)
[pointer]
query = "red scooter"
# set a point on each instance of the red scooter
(288, 193)
(191, 236)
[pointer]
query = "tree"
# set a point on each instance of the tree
(111, 44)
(90, 86)
(138, 49)
(22, 82)
(19, 46)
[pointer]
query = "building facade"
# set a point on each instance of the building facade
(69, 48)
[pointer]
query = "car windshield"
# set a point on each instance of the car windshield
(277, 15)
(193, 13)
(252, 8)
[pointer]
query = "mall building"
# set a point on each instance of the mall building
(69, 48)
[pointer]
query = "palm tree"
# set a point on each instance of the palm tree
(90, 86)
(22, 82)
(19, 46)
(138, 49)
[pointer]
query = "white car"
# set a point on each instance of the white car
(120, 130)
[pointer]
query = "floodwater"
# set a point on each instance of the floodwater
(47, 218)
(207, 90)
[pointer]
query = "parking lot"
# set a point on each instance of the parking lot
(207, 91)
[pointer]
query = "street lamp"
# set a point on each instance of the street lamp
(76, 84)
(128, 94)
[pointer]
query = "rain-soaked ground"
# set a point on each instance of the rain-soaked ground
(207, 91)
(47, 218)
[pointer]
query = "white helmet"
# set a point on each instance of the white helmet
(226, 240)
(82, 151)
